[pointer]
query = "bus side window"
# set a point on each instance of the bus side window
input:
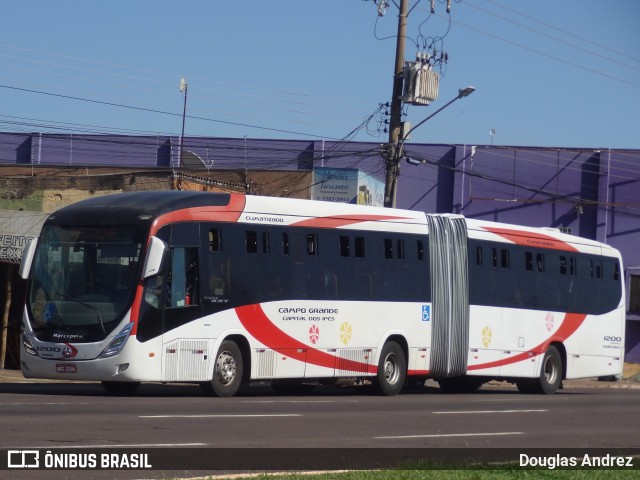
(572, 266)
(251, 240)
(563, 265)
(599, 269)
(388, 249)
(504, 258)
(400, 251)
(219, 281)
(359, 246)
(266, 245)
(215, 240)
(528, 261)
(182, 281)
(344, 245)
(312, 244)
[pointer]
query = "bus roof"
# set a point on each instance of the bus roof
(136, 206)
(144, 207)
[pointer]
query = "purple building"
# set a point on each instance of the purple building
(593, 193)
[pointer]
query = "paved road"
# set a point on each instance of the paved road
(54, 415)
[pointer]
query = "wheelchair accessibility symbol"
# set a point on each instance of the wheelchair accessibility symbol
(426, 313)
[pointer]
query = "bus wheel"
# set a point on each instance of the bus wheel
(550, 375)
(526, 385)
(121, 388)
(227, 371)
(392, 370)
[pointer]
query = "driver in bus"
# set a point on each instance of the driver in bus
(153, 291)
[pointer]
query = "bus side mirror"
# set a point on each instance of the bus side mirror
(155, 254)
(27, 258)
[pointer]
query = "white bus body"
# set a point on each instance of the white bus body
(225, 289)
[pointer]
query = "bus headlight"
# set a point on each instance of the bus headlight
(26, 343)
(117, 343)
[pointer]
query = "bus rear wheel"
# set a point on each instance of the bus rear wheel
(550, 376)
(227, 371)
(121, 388)
(392, 370)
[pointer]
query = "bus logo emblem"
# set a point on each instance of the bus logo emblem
(486, 336)
(345, 332)
(549, 321)
(314, 334)
(69, 351)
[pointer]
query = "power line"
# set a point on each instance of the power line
(152, 110)
(548, 55)
(563, 30)
(559, 40)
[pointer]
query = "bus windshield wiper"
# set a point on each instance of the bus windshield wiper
(84, 304)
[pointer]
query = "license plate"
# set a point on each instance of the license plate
(66, 368)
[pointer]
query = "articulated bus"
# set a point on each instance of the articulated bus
(227, 289)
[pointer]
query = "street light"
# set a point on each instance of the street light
(390, 201)
(465, 92)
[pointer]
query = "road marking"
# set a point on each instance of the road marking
(115, 445)
(487, 411)
(225, 416)
(299, 401)
(35, 404)
(441, 435)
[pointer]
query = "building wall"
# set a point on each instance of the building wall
(594, 193)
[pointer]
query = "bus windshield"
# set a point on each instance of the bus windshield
(83, 281)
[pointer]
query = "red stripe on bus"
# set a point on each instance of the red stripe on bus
(256, 322)
(530, 239)
(569, 325)
(227, 213)
(135, 308)
(337, 221)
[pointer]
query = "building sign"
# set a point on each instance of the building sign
(17, 229)
(345, 185)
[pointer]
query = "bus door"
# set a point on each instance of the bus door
(450, 295)
(185, 353)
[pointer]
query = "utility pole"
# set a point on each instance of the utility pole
(184, 87)
(391, 155)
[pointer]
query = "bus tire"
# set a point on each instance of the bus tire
(392, 370)
(227, 371)
(121, 388)
(526, 385)
(550, 376)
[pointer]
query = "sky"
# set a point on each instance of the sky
(552, 73)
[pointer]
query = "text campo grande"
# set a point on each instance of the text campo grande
(586, 461)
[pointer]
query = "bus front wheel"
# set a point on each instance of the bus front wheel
(227, 371)
(392, 370)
